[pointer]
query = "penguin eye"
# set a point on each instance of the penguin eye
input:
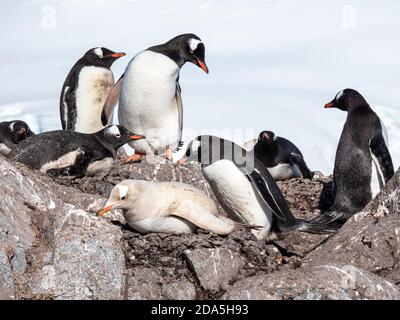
(123, 198)
(118, 135)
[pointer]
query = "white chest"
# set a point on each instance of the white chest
(4, 149)
(163, 224)
(284, 171)
(149, 87)
(94, 86)
(377, 179)
(236, 194)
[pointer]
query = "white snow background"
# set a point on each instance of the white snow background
(273, 64)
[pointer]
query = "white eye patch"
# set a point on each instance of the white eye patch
(11, 126)
(194, 43)
(114, 130)
(98, 52)
(123, 191)
(195, 146)
(339, 95)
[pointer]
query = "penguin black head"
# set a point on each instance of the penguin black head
(101, 57)
(116, 136)
(347, 100)
(184, 48)
(208, 149)
(14, 131)
(266, 137)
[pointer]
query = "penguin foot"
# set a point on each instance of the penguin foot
(168, 154)
(134, 158)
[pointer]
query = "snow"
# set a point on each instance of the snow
(273, 63)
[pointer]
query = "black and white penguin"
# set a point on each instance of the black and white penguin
(86, 89)
(244, 187)
(150, 96)
(363, 164)
(12, 133)
(281, 157)
(69, 153)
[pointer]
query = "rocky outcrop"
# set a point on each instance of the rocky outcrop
(54, 246)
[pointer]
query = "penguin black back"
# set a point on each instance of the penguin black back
(282, 158)
(60, 149)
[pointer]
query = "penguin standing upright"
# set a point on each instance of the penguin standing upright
(281, 157)
(66, 153)
(363, 164)
(244, 187)
(86, 89)
(150, 96)
(12, 133)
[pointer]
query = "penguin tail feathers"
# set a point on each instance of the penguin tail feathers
(247, 226)
(329, 222)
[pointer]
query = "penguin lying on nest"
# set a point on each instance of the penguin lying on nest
(179, 208)
(281, 157)
(70, 153)
(363, 164)
(244, 187)
(12, 133)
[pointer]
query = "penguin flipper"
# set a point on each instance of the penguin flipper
(179, 105)
(205, 220)
(111, 102)
(299, 161)
(77, 169)
(381, 152)
(67, 104)
(271, 195)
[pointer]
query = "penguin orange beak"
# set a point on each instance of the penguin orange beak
(329, 105)
(105, 210)
(137, 137)
(118, 55)
(202, 65)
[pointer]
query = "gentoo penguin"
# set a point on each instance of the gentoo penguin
(86, 89)
(244, 187)
(180, 208)
(12, 133)
(69, 153)
(281, 157)
(363, 163)
(150, 96)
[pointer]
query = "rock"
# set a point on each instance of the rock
(370, 239)
(6, 279)
(73, 254)
(181, 289)
(330, 281)
(214, 268)
(144, 284)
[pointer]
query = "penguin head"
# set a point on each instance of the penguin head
(266, 137)
(122, 196)
(347, 100)
(15, 131)
(101, 57)
(207, 149)
(187, 48)
(116, 136)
